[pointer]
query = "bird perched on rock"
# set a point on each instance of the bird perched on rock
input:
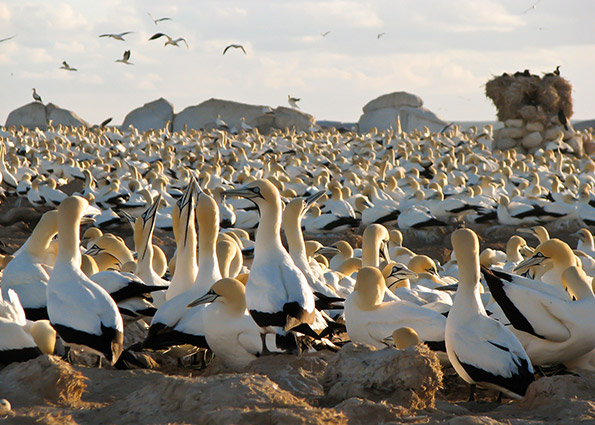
(36, 96)
(293, 101)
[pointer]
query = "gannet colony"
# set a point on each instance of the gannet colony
(206, 257)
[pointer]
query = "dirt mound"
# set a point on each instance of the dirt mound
(46, 379)
(409, 378)
(363, 412)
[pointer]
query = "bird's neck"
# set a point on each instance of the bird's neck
(269, 229)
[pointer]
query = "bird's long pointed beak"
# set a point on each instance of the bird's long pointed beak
(384, 251)
(535, 260)
(452, 287)
(330, 250)
(149, 215)
(209, 297)
(313, 198)
(527, 251)
(243, 192)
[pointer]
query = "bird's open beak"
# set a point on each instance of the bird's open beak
(209, 297)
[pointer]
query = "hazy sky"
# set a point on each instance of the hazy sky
(444, 51)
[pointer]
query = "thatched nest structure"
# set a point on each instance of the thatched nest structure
(530, 97)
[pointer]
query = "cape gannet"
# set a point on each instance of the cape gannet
(67, 67)
(125, 58)
(119, 36)
(36, 96)
(235, 46)
(481, 350)
(277, 293)
(170, 41)
(16, 344)
(81, 311)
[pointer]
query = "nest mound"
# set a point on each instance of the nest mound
(530, 97)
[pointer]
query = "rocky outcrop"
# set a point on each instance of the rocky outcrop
(382, 113)
(57, 115)
(31, 116)
(204, 116)
(38, 115)
(409, 377)
(151, 116)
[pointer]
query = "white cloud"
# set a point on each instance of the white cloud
(4, 12)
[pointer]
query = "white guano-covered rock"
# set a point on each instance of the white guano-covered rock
(532, 140)
(151, 116)
(393, 100)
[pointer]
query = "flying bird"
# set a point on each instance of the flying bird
(169, 41)
(382, 34)
(293, 101)
(324, 34)
(67, 67)
(117, 36)
(36, 97)
(7, 38)
(235, 46)
(125, 58)
(156, 21)
(534, 6)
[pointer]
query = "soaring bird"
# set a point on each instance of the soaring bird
(156, 21)
(324, 34)
(117, 36)
(67, 67)
(235, 46)
(293, 101)
(170, 40)
(125, 58)
(7, 38)
(382, 34)
(36, 96)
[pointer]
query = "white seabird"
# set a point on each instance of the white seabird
(125, 58)
(481, 350)
(36, 96)
(81, 311)
(170, 41)
(293, 101)
(235, 46)
(16, 344)
(119, 36)
(277, 293)
(67, 67)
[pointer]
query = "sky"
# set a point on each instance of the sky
(441, 50)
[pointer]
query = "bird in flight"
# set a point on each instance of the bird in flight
(324, 34)
(293, 101)
(169, 41)
(125, 58)
(532, 7)
(382, 34)
(117, 36)
(7, 38)
(36, 97)
(67, 67)
(235, 46)
(156, 21)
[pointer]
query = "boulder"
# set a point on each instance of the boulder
(393, 100)
(203, 116)
(57, 115)
(151, 116)
(30, 116)
(382, 114)
(409, 377)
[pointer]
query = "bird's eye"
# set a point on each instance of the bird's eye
(256, 190)
(395, 269)
(539, 255)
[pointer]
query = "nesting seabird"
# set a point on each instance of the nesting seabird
(481, 350)
(81, 311)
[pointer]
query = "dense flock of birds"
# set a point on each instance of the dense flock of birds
(235, 286)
